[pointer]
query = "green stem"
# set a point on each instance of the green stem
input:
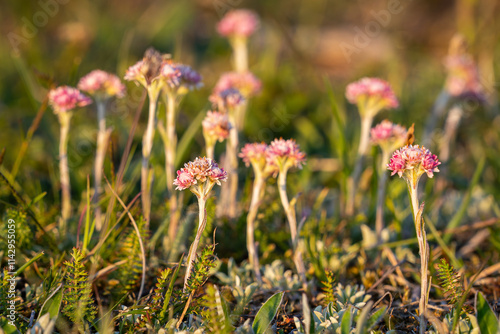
(253, 255)
(383, 174)
(194, 246)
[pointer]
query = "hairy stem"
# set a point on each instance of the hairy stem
(64, 119)
(240, 53)
(352, 182)
(147, 146)
(423, 251)
(210, 150)
(253, 255)
(102, 142)
(383, 174)
(194, 246)
(292, 222)
(170, 150)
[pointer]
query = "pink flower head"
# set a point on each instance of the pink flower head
(463, 77)
(134, 72)
(371, 95)
(65, 98)
(255, 152)
(216, 126)
(200, 170)
(412, 161)
(148, 70)
(101, 84)
(180, 76)
(246, 83)
(227, 99)
(285, 154)
(240, 22)
(388, 135)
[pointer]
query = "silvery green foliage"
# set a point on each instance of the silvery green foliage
(236, 276)
(466, 325)
(245, 328)
(275, 276)
(351, 299)
(351, 295)
(193, 325)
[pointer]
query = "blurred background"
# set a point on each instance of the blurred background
(305, 53)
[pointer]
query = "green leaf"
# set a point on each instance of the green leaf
(362, 323)
(267, 313)
(308, 322)
(53, 303)
(488, 322)
(346, 323)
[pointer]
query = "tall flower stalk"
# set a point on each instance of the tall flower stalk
(389, 137)
(101, 86)
(255, 155)
(63, 100)
(216, 128)
(178, 80)
(228, 101)
(199, 176)
(285, 154)
(237, 26)
(147, 72)
(371, 95)
(410, 163)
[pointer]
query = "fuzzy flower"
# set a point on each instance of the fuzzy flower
(147, 70)
(65, 98)
(388, 135)
(255, 154)
(180, 76)
(246, 83)
(463, 77)
(216, 126)
(411, 161)
(227, 99)
(101, 84)
(240, 22)
(371, 95)
(200, 170)
(285, 154)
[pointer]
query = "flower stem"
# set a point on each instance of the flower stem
(423, 251)
(230, 191)
(383, 174)
(352, 182)
(102, 142)
(64, 119)
(147, 146)
(210, 150)
(292, 222)
(194, 246)
(240, 53)
(253, 255)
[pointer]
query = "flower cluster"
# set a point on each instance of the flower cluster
(412, 161)
(285, 154)
(227, 99)
(388, 135)
(199, 170)
(101, 84)
(463, 77)
(65, 98)
(216, 126)
(254, 153)
(371, 94)
(246, 83)
(241, 22)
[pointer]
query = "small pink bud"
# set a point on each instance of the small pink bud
(285, 153)
(216, 126)
(246, 83)
(372, 93)
(101, 84)
(241, 22)
(200, 170)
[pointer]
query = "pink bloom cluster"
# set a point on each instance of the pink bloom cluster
(254, 152)
(246, 83)
(174, 75)
(286, 153)
(101, 84)
(463, 77)
(65, 98)
(216, 125)
(388, 132)
(374, 89)
(227, 98)
(202, 170)
(413, 158)
(240, 22)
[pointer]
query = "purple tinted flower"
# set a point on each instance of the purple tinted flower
(246, 83)
(227, 99)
